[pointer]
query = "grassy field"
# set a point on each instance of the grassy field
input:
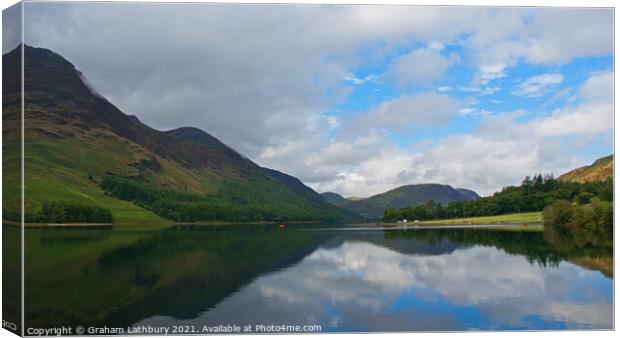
(517, 219)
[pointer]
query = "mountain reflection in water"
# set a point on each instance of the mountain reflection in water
(420, 280)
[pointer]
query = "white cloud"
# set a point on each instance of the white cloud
(485, 74)
(505, 149)
(582, 120)
(376, 172)
(331, 121)
(480, 90)
(538, 85)
(474, 112)
(593, 114)
(488, 73)
(543, 36)
(359, 81)
(466, 111)
(473, 161)
(421, 66)
(599, 87)
(435, 46)
(350, 152)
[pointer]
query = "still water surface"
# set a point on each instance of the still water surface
(364, 280)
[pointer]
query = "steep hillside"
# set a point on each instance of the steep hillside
(600, 170)
(405, 196)
(334, 198)
(469, 193)
(76, 140)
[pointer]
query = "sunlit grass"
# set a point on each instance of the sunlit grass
(517, 219)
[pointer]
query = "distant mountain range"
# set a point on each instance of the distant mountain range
(600, 170)
(76, 139)
(408, 195)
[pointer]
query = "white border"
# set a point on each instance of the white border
(494, 3)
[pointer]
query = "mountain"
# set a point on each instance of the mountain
(83, 149)
(334, 198)
(469, 193)
(600, 170)
(405, 196)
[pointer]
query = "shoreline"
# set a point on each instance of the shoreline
(67, 225)
(418, 226)
(143, 224)
(454, 224)
(446, 224)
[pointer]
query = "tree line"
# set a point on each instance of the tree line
(231, 203)
(580, 225)
(533, 194)
(69, 212)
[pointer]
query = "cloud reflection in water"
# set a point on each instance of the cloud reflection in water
(360, 286)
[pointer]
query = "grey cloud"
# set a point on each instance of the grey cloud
(599, 87)
(11, 27)
(421, 66)
(240, 72)
(563, 33)
(407, 112)
(544, 35)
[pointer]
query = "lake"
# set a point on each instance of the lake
(341, 278)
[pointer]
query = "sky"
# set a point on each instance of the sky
(356, 99)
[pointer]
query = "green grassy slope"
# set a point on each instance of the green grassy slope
(60, 171)
(600, 170)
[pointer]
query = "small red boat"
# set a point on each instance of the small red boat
(282, 226)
